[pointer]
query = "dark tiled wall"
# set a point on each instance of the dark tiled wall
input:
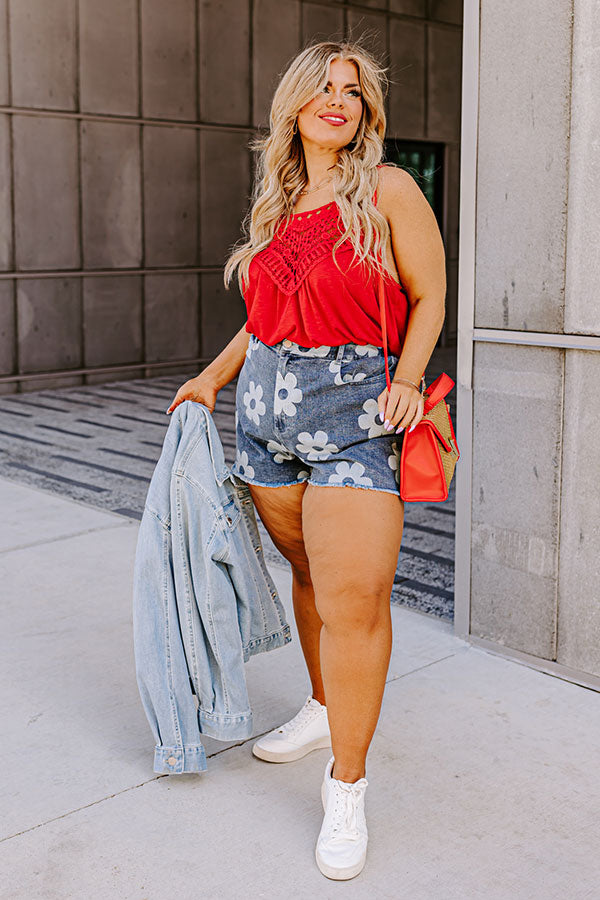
(125, 171)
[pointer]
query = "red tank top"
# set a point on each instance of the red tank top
(295, 290)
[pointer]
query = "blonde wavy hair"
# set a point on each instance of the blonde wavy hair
(281, 168)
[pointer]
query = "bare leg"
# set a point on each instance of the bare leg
(281, 512)
(352, 538)
(309, 624)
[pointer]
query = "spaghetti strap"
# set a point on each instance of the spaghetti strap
(379, 166)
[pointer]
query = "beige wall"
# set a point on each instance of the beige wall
(124, 168)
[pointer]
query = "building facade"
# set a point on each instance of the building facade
(125, 170)
(125, 173)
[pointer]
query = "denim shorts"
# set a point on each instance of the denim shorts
(310, 414)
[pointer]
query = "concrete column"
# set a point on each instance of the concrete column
(579, 563)
(522, 165)
(517, 423)
(535, 474)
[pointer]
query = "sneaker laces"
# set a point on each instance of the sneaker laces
(299, 720)
(344, 820)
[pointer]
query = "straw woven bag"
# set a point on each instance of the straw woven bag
(429, 452)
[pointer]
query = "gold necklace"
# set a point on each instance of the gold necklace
(320, 185)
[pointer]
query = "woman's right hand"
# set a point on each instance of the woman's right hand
(202, 389)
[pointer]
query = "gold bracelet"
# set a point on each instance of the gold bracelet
(396, 380)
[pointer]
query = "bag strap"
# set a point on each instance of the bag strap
(381, 293)
(436, 390)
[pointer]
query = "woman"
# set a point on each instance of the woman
(311, 384)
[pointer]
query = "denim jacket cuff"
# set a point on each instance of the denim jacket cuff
(267, 642)
(179, 760)
(224, 727)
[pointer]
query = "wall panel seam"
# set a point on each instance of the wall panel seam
(96, 370)
(466, 309)
(126, 120)
(564, 341)
(92, 273)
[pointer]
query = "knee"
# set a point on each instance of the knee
(354, 607)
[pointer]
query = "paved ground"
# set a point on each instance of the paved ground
(98, 444)
(483, 773)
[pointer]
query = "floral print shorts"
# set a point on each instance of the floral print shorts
(310, 414)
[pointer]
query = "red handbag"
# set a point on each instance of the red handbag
(429, 452)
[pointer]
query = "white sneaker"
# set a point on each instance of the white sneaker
(308, 730)
(341, 848)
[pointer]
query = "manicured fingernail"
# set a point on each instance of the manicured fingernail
(386, 424)
(412, 427)
(381, 417)
(399, 429)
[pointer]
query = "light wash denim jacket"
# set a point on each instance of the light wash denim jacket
(203, 598)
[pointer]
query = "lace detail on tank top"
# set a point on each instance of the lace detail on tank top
(296, 249)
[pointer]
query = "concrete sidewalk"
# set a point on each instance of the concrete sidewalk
(483, 773)
(99, 444)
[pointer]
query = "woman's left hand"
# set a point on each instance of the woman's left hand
(402, 407)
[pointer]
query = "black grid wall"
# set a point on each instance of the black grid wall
(125, 169)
